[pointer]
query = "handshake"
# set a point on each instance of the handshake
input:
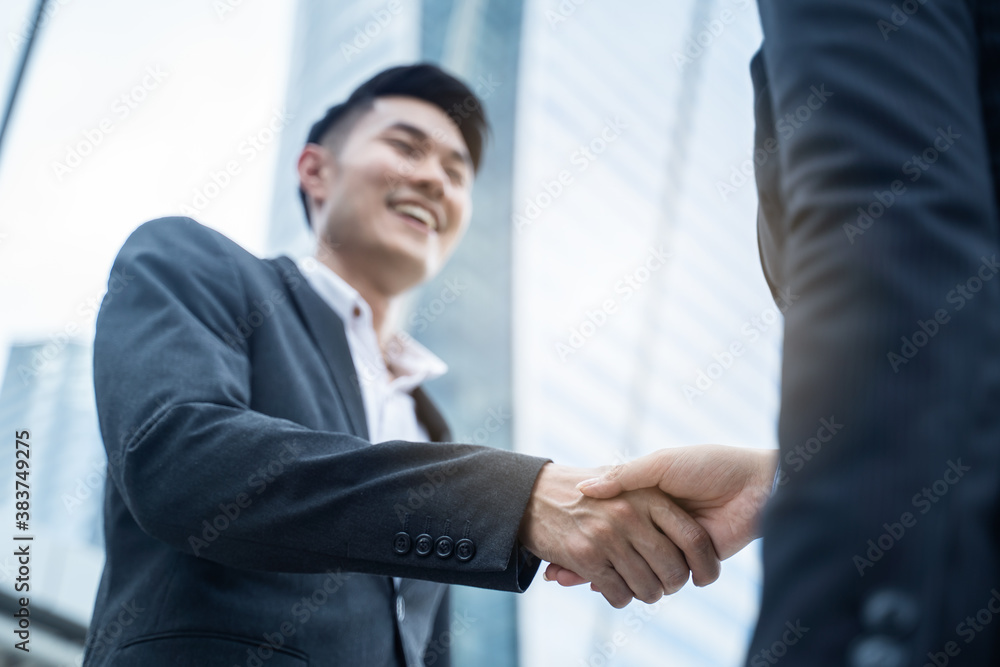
(639, 529)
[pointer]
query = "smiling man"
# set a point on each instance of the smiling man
(266, 427)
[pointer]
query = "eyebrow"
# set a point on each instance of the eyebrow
(420, 135)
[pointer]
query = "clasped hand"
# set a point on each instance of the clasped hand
(640, 529)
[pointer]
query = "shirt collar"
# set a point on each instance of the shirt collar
(412, 363)
(336, 292)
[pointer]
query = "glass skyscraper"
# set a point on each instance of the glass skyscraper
(636, 278)
(47, 389)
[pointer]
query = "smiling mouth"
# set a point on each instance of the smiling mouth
(416, 214)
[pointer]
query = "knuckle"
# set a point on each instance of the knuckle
(619, 600)
(713, 575)
(588, 553)
(696, 540)
(668, 557)
(675, 581)
(650, 594)
(621, 511)
(603, 533)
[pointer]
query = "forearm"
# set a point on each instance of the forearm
(256, 492)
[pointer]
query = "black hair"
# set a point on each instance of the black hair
(423, 81)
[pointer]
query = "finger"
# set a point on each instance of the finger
(569, 578)
(638, 474)
(563, 576)
(688, 536)
(666, 560)
(637, 574)
(614, 589)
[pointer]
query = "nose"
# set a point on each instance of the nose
(428, 176)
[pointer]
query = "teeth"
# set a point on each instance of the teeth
(418, 212)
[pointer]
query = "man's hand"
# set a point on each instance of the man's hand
(722, 488)
(639, 544)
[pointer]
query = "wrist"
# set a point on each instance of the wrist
(553, 491)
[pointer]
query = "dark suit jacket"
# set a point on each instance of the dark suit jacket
(877, 166)
(248, 518)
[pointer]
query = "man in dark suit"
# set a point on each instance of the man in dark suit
(249, 518)
(880, 212)
(878, 170)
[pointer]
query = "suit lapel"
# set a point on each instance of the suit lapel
(770, 206)
(430, 417)
(327, 331)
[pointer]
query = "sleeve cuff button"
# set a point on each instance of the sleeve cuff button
(424, 544)
(401, 543)
(465, 549)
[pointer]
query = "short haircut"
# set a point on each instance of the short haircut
(422, 81)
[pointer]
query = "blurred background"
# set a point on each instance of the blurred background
(607, 301)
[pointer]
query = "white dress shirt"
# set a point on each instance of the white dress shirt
(389, 407)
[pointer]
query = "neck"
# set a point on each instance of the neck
(380, 302)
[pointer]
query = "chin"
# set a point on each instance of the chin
(408, 270)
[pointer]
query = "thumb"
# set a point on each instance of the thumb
(617, 479)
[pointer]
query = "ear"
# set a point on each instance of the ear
(315, 172)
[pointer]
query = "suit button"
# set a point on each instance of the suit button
(465, 550)
(424, 544)
(890, 612)
(444, 546)
(877, 652)
(401, 543)
(400, 608)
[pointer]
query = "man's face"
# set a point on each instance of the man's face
(393, 203)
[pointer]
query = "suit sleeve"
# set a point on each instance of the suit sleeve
(881, 207)
(202, 471)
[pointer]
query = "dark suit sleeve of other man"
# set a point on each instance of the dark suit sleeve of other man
(209, 387)
(875, 123)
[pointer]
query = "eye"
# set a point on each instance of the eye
(403, 146)
(457, 177)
